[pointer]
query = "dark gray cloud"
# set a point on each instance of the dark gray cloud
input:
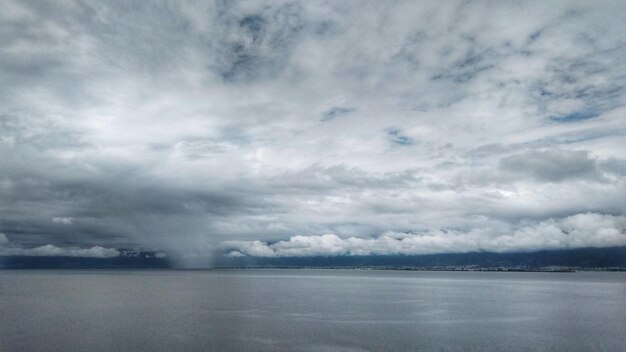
(178, 126)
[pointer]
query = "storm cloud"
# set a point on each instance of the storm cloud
(184, 127)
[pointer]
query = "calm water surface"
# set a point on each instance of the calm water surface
(311, 310)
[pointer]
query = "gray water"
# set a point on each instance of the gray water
(311, 310)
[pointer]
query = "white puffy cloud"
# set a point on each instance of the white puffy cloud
(54, 251)
(235, 254)
(49, 250)
(578, 231)
(63, 220)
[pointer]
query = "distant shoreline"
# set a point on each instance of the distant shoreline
(498, 270)
(508, 270)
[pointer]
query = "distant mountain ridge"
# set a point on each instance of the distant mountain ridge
(129, 259)
(614, 257)
(584, 258)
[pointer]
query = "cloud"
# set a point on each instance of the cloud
(54, 251)
(577, 231)
(49, 250)
(553, 165)
(62, 220)
(176, 127)
(235, 254)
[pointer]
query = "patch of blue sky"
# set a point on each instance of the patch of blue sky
(575, 116)
(588, 135)
(335, 112)
(396, 137)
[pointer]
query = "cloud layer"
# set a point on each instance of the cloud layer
(578, 231)
(178, 126)
(54, 251)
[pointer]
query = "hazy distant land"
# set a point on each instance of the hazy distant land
(606, 259)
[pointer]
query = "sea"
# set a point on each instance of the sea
(310, 310)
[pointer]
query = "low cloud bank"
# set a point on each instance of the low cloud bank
(577, 231)
(54, 251)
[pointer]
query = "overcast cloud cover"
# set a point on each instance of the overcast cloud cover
(311, 128)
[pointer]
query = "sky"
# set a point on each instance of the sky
(282, 128)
